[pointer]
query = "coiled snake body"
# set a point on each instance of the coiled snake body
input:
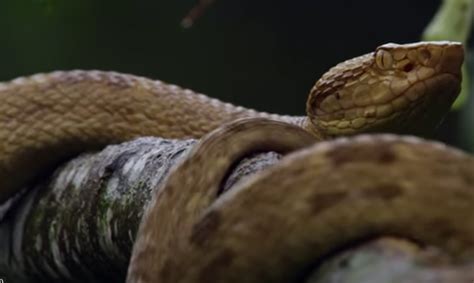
(51, 117)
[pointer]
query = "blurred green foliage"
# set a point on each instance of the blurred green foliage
(47, 5)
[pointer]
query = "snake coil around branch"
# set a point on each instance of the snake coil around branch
(398, 88)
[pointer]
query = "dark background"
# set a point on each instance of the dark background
(262, 54)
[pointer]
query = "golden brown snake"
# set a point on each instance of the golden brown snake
(52, 117)
(47, 118)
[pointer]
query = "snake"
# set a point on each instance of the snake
(48, 118)
(315, 201)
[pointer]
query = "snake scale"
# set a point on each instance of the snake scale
(49, 118)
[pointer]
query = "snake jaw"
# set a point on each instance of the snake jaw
(400, 88)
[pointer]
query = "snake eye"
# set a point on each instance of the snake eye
(383, 59)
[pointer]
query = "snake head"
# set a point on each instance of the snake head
(399, 88)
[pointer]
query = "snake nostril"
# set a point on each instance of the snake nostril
(408, 67)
